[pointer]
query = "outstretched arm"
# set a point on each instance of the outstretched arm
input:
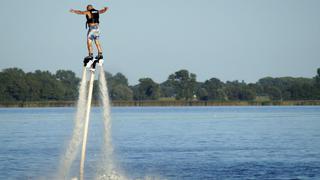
(78, 12)
(103, 10)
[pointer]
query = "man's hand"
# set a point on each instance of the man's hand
(103, 10)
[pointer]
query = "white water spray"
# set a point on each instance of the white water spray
(106, 170)
(107, 148)
(86, 126)
(73, 146)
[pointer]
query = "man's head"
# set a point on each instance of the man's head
(89, 7)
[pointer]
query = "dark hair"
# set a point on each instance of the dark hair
(90, 5)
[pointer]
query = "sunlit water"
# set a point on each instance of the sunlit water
(169, 143)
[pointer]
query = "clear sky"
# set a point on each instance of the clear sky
(227, 39)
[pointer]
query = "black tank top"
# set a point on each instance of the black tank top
(94, 17)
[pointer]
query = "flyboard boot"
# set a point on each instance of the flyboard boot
(88, 61)
(98, 59)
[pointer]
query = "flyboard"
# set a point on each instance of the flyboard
(91, 66)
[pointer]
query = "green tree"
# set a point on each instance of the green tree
(119, 87)
(147, 89)
(51, 89)
(301, 91)
(119, 79)
(70, 83)
(284, 84)
(316, 89)
(239, 91)
(184, 83)
(121, 92)
(202, 94)
(167, 89)
(318, 78)
(257, 88)
(273, 92)
(16, 85)
(13, 85)
(214, 87)
(34, 90)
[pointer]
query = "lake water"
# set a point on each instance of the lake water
(170, 142)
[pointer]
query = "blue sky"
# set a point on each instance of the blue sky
(227, 39)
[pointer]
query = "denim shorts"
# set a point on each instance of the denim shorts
(93, 33)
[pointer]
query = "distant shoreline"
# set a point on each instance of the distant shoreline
(164, 103)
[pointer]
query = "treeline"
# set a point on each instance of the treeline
(17, 85)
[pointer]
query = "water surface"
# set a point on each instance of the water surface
(170, 142)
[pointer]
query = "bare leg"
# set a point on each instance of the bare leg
(90, 50)
(89, 45)
(97, 42)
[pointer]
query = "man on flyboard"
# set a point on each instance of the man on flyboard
(93, 34)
